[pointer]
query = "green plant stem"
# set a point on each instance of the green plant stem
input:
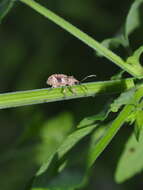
(134, 71)
(29, 97)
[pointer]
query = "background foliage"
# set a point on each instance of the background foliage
(31, 49)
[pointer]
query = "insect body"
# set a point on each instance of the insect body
(58, 80)
(61, 80)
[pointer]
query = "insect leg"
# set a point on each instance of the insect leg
(83, 88)
(72, 90)
(63, 91)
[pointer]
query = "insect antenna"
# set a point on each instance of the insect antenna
(87, 77)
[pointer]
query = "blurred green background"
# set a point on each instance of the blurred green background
(31, 49)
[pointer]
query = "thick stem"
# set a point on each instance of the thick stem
(29, 97)
(136, 71)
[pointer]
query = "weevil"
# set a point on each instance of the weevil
(61, 80)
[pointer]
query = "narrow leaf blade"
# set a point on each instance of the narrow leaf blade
(62, 176)
(5, 7)
(69, 142)
(131, 160)
(101, 144)
(139, 124)
(133, 18)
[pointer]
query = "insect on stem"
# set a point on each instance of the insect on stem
(62, 80)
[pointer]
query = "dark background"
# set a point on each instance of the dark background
(31, 49)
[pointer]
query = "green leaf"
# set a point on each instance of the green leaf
(118, 75)
(124, 99)
(50, 174)
(98, 134)
(5, 6)
(68, 144)
(54, 175)
(52, 134)
(131, 160)
(132, 117)
(69, 179)
(135, 58)
(101, 116)
(136, 115)
(131, 97)
(133, 20)
(100, 144)
(114, 42)
(139, 124)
